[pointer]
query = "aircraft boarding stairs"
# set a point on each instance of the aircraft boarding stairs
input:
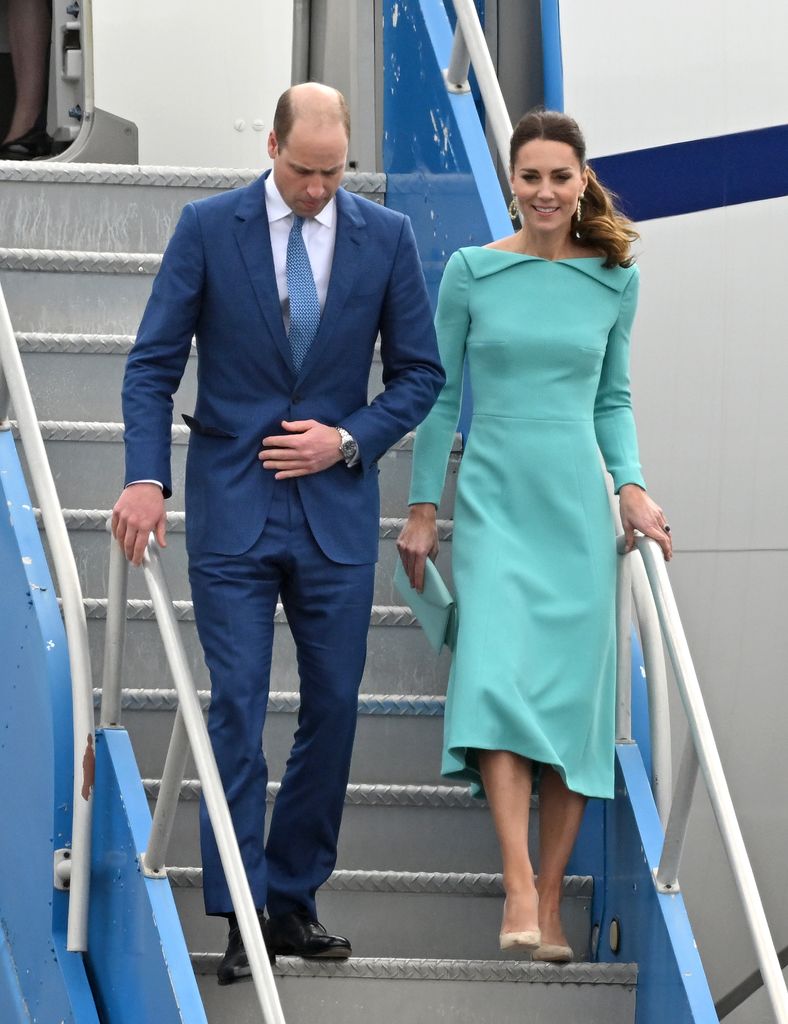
(417, 886)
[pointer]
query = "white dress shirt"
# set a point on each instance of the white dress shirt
(319, 234)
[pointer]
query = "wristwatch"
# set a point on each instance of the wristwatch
(347, 446)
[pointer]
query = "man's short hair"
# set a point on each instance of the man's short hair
(285, 115)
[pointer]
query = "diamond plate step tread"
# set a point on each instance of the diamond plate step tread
(138, 609)
(442, 970)
(93, 344)
(374, 794)
(79, 261)
(444, 883)
(368, 182)
(287, 702)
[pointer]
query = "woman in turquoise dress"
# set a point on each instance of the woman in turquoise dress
(544, 319)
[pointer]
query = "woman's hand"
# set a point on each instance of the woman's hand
(418, 541)
(639, 512)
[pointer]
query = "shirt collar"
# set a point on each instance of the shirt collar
(278, 209)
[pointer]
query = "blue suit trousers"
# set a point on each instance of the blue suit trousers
(328, 606)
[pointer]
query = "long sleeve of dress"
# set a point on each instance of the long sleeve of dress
(435, 436)
(613, 420)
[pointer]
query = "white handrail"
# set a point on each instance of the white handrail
(75, 623)
(656, 686)
(708, 759)
(190, 713)
(473, 49)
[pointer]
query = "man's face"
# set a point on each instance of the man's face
(308, 168)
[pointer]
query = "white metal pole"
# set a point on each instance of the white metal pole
(114, 637)
(624, 651)
(657, 686)
(212, 790)
(76, 632)
(494, 103)
(711, 766)
(667, 876)
(456, 75)
(154, 858)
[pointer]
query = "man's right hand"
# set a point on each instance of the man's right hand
(138, 512)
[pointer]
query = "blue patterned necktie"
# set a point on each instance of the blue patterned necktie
(304, 304)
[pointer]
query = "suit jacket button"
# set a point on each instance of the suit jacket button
(295, 399)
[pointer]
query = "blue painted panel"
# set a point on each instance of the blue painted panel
(655, 931)
(552, 55)
(641, 731)
(699, 175)
(435, 153)
(35, 770)
(138, 961)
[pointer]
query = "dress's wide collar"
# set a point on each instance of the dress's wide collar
(483, 262)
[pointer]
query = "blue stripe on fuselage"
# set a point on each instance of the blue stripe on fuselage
(700, 175)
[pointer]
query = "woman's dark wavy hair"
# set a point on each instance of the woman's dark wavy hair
(602, 226)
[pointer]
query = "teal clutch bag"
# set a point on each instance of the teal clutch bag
(434, 607)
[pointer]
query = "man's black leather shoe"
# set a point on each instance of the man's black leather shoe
(296, 934)
(235, 963)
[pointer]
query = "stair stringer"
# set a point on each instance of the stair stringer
(39, 979)
(654, 929)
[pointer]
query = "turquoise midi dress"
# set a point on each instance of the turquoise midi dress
(533, 553)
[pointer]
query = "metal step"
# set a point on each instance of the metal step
(90, 541)
(394, 665)
(54, 290)
(79, 376)
(87, 464)
(398, 738)
(386, 827)
(426, 991)
(116, 208)
(400, 914)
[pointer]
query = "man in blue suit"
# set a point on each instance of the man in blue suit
(286, 285)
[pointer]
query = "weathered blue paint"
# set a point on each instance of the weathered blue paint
(654, 928)
(435, 153)
(39, 980)
(137, 959)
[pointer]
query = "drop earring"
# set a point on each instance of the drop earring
(514, 209)
(580, 199)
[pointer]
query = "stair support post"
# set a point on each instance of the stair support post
(115, 638)
(154, 858)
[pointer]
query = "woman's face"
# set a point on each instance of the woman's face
(547, 182)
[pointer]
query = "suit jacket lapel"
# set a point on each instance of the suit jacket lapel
(345, 268)
(254, 241)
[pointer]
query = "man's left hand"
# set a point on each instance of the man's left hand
(307, 447)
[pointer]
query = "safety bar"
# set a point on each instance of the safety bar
(701, 752)
(14, 389)
(470, 47)
(749, 986)
(189, 731)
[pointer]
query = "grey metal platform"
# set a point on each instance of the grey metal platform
(417, 885)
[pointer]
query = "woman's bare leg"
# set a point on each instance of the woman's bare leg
(29, 28)
(560, 815)
(507, 782)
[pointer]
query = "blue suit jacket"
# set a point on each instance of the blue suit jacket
(217, 283)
